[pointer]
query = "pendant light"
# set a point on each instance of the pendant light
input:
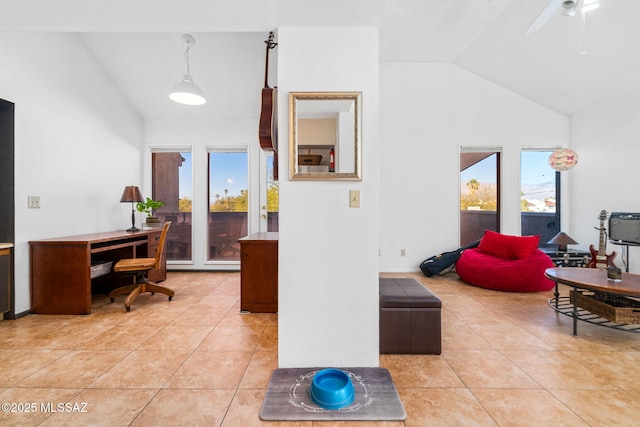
(186, 91)
(563, 159)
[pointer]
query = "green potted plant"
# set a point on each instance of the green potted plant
(148, 207)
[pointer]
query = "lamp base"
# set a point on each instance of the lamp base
(133, 220)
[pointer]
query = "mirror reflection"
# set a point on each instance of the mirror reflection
(324, 135)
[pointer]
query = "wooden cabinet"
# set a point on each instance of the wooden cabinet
(259, 273)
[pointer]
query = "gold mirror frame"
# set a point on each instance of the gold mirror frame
(343, 108)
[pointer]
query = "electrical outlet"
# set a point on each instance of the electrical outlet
(33, 202)
(354, 198)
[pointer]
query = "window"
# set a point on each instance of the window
(539, 195)
(479, 193)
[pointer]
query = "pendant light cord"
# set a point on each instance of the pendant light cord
(186, 55)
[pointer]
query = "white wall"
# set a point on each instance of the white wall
(77, 143)
(427, 111)
(607, 174)
(328, 252)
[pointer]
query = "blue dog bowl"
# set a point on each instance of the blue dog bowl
(331, 389)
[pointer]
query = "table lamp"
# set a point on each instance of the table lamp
(132, 194)
(562, 240)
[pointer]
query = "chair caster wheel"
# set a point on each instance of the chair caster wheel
(170, 297)
(112, 300)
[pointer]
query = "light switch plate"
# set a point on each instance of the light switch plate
(33, 202)
(354, 198)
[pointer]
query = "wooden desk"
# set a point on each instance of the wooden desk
(61, 267)
(259, 273)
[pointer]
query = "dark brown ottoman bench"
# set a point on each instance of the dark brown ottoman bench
(410, 316)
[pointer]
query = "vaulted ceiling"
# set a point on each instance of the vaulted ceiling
(570, 65)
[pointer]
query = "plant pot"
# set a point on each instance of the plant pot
(152, 221)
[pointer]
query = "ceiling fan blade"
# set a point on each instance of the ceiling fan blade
(544, 16)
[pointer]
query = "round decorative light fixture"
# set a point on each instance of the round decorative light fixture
(563, 159)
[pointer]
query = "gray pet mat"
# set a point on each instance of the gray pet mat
(376, 398)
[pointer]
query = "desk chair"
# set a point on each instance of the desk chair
(139, 267)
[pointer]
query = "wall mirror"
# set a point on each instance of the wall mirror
(325, 135)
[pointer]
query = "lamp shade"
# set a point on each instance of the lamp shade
(563, 159)
(131, 194)
(187, 92)
(562, 240)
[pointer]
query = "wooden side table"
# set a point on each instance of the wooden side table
(591, 279)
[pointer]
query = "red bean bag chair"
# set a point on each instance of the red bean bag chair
(506, 263)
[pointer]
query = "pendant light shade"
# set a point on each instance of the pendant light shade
(187, 92)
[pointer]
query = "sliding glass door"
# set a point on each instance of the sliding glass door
(172, 183)
(228, 203)
(268, 194)
(213, 198)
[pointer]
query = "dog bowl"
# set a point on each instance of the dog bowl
(331, 389)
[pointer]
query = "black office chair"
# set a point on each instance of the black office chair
(139, 267)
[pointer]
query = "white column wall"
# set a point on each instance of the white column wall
(328, 252)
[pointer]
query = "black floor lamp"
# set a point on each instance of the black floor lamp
(132, 194)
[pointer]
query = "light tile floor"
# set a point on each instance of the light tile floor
(507, 360)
